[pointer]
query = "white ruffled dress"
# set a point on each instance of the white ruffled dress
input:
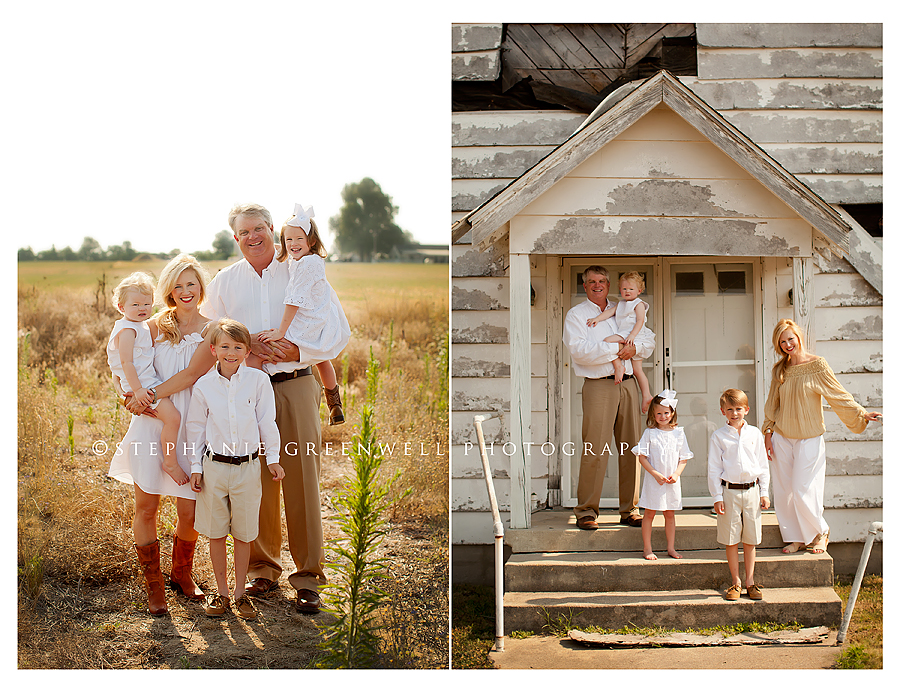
(320, 328)
(665, 449)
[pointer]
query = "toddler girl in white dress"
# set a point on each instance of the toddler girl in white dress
(313, 317)
(129, 353)
(631, 316)
(663, 452)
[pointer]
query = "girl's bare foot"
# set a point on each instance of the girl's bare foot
(649, 556)
(674, 553)
(177, 473)
(645, 403)
(619, 368)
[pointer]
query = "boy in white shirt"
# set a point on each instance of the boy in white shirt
(231, 421)
(738, 477)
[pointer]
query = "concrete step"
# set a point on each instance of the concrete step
(629, 571)
(689, 609)
(554, 531)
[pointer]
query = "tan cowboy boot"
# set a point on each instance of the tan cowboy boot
(333, 402)
(180, 579)
(148, 555)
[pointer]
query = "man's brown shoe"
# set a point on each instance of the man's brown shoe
(308, 601)
(631, 520)
(260, 586)
(587, 523)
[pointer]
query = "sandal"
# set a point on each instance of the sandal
(819, 545)
(792, 548)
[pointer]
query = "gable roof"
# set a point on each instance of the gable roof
(487, 221)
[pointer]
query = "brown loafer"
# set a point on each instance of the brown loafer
(244, 607)
(260, 586)
(754, 592)
(733, 593)
(215, 605)
(587, 523)
(308, 601)
(632, 520)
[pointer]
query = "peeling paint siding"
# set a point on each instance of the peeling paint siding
(852, 356)
(469, 494)
(844, 290)
(746, 63)
(801, 126)
(483, 66)
(492, 360)
(798, 158)
(498, 433)
(492, 394)
(469, 194)
(478, 327)
(854, 491)
(846, 189)
(828, 94)
(463, 366)
(835, 265)
(494, 162)
(475, 37)
(513, 128)
(481, 294)
(853, 324)
(671, 197)
(854, 459)
(836, 432)
(470, 262)
(865, 387)
(793, 35)
(659, 236)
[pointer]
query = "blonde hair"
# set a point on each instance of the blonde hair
(249, 210)
(166, 320)
(734, 397)
(651, 421)
(233, 329)
(316, 246)
(780, 328)
(138, 281)
(636, 278)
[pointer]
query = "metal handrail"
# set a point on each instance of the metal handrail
(874, 528)
(498, 529)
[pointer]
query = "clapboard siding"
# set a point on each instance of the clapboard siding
(513, 128)
(481, 294)
(470, 494)
(482, 66)
(492, 327)
(495, 162)
(844, 290)
(747, 63)
(793, 35)
(806, 158)
(466, 38)
(470, 194)
(846, 189)
(496, 434)
(492, 394)
(805, 126)
(851, 323)
(852, 356)
(794, 94)
(492, 360)
(466, 261)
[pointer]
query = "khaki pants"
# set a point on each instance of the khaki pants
(297, 417)
(609, 410)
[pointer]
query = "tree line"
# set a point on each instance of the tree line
(364, 228)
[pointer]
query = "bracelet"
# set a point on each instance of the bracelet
(153, 392)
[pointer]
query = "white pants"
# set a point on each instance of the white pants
(798, 484)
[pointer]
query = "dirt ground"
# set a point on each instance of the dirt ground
(80, 625)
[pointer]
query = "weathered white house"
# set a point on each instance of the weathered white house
(737, 166)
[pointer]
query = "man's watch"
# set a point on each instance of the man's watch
(153, 392)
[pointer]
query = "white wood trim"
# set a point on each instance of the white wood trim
(520, 386)
(804, 298)
(554, 357)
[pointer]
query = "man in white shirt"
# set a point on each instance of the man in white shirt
(251, 291)
(611, 412)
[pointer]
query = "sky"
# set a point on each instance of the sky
(147, 121)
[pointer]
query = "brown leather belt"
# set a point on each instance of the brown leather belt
(284, 376)
(232, 460)
(738, 486)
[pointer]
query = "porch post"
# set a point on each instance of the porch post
(520, 390)
(803, 299)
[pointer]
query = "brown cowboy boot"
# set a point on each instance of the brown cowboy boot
(148, 555)
(333, 402)
(180, 579)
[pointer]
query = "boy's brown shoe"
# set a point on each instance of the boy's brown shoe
(733, 593)
(245, 608)
(754, 592)
(216, 605)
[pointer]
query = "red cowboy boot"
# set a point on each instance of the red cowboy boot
(180, 579)
(148, 555)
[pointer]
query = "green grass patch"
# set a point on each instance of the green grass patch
(864, 643)
(474, 625)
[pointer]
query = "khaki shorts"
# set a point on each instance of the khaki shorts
(228, 501)
(742, 521)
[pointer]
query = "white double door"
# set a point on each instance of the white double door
(706, 314)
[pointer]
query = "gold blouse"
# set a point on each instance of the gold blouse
(794, 407)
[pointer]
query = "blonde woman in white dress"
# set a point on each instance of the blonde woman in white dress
(663, 452)
(177, 330)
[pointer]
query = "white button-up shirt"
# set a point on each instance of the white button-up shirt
(737, 457)
(234, 417)
(256, 301)
(591, 355)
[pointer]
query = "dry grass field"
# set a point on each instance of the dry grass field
(80, 596)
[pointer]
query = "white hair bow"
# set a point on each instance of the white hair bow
(301, 217)
(668, 398)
